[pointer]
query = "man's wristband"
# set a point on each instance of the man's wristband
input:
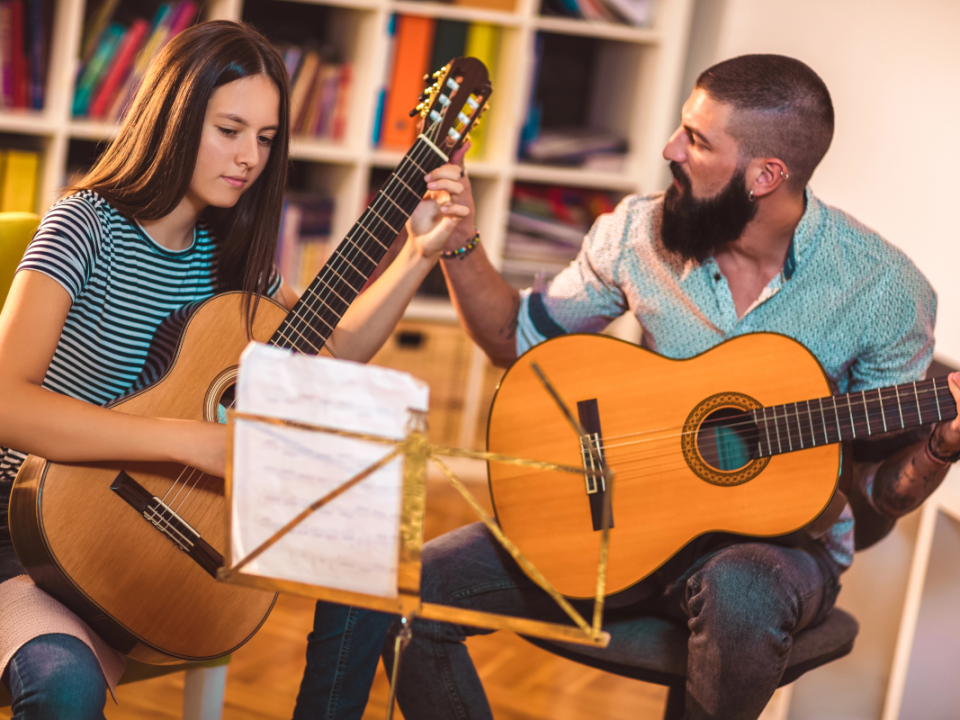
(943, 459)
(465, 250)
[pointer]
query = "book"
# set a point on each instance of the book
(19, 70)
(93, 72)
(6, 55)
(384, 91)
(38, 56)
(95, 26)
(304, 88)
(121, 66)
(304, 244)
(20, 171)
(483, 43)
(449, 42)
(341, 108)
(412, 58)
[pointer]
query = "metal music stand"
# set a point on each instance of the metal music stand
(416, 451)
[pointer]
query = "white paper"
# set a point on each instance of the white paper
(352, 543)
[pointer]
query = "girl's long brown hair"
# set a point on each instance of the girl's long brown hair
(146, 171)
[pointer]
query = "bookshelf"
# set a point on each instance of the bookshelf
(636, 82)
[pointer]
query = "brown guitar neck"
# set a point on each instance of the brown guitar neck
(309, 324)
(838, 418)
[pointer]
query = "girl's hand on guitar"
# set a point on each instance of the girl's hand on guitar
(201, 445)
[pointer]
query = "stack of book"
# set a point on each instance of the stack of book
(24, 40)
(305, 241)
(418, 46)
(18, 180)
(115, 56)
(629, 12)
(320, 88)
(546, 229)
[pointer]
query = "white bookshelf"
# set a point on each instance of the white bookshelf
(637, 84)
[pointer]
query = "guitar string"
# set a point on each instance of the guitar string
(620, 460)
(852, 403)
(391, 213)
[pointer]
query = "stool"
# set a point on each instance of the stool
(203, 687)
(654, 650)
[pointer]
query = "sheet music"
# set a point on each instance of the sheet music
(352, 543)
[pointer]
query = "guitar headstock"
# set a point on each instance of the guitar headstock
(455, 102)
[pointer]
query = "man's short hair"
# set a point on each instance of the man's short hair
(781, 108)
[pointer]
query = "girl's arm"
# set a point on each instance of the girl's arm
(61, 428)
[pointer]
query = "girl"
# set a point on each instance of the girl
(184, 203)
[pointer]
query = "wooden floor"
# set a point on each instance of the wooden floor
(522, 682)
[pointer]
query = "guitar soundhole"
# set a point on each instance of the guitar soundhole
(726, 439)
(226, 402)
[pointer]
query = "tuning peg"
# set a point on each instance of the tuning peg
(438, 73)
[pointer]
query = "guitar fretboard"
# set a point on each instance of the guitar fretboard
(309, 324)
(837, 418)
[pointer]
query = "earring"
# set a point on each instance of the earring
(751, 196)
(784, 176)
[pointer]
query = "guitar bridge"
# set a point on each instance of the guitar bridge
(591, 451)
(164, 519)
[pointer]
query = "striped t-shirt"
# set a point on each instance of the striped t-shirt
(131, 298)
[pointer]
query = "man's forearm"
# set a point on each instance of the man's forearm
(487, 306)
(903, 481)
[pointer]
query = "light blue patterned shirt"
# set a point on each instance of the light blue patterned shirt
(855, 301)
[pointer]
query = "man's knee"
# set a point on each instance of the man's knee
(57, 676)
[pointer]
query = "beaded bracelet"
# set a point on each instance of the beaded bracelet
(945, 459)
(461, 253)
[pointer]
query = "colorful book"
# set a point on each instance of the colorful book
(119, 69)
(342, 106)
(158, 38)
(20, 74)
(38, 55)
(483, 43)
(384, 91)
(96, 26)
(449, 42)
(303, 90)
(6, 55)
(93, 73)
(20, 171)
(414, 43)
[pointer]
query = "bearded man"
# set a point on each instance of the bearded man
(737, 244)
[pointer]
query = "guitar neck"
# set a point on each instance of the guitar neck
(837, 418)
(308, 325)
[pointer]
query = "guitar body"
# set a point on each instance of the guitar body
(87, 546)
(665, 493)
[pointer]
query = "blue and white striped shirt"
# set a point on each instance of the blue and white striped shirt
(130, 300)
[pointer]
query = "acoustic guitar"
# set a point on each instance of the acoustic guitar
(743, 438)
(133, 547)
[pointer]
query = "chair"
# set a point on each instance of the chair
(16, 231)
(203, 688)
(654, 650)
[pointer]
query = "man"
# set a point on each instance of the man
(737, 244)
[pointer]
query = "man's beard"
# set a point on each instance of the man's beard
(696, 229)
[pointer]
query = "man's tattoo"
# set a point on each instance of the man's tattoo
(901, 486)
(509, 329)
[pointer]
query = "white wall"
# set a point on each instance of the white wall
(893, 70)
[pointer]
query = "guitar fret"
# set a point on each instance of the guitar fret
(823, 419)
(315, 314)
(413, 162)
(345, 282)
(836, 414)
(936, 396)
(394, 204)
(882, 413)
(796, 409)
(330, 287)
(384, 221)
(412, 191)
(813, 433)
(370, 233)
(776, 426)
(896, 389)
(304, 337)
(917, 396)
(866, 411)
(766, 428)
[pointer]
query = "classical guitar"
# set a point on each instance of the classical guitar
(743, 438)
(133, 548)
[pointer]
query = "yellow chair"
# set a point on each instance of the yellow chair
(203, 686)
(16, 230)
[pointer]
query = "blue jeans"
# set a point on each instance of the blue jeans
(741, 601)
(55, 677)
(342, 655)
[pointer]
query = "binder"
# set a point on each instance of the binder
(413, 50)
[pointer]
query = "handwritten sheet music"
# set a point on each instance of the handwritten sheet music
(352, 543)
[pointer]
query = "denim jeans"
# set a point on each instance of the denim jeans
(342, 655)
(55, 677)
(740, 600)
(52, 677)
